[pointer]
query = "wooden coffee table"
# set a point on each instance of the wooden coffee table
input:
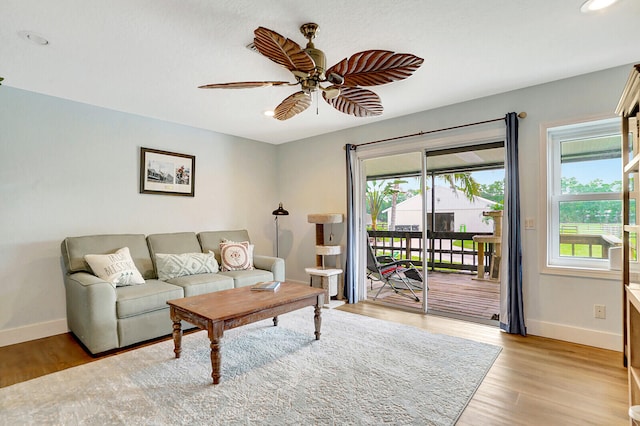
(227, 309)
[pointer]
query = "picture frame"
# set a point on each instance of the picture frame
(167, 173)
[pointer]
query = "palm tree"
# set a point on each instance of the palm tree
(378, 193)
(394, 189)
(463, 182)
(375, 198)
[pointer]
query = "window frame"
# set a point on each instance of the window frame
(552, 135)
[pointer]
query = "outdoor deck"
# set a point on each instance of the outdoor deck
(450, 293)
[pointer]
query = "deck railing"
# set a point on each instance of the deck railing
(458, 251)
(601, 244)
(445, 250)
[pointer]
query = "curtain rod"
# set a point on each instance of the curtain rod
(520, 115)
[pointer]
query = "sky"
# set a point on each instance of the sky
(608, 171)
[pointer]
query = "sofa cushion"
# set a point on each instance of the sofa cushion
(75, 248)
(248, 277)
(178, 265)
(236, 256)
(117, 268)
(194, 285)
(147, 297)
(174, 243)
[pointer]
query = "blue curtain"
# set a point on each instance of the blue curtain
(514, 322)
(350, 277)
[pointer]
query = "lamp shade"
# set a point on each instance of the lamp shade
(280, 211)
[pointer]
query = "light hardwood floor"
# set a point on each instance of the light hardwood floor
(534, 381)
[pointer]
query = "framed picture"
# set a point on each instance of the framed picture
(167, 173)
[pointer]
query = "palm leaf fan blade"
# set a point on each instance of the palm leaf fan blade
(356, 101)
(376, 67)
(292, 105)
(282, 51)
(243, 85)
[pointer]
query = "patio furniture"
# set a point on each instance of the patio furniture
(399, 275)
(496, 241)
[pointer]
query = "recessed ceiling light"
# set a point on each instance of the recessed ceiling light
(594, 5)
(34, 38)
(269, 113)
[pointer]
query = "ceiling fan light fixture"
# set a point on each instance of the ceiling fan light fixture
(595, 5)
(330, 92)
(335, 78)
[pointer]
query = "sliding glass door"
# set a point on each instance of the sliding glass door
(449, 193)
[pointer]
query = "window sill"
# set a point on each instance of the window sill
(607, 274)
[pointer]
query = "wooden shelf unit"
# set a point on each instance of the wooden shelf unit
(628, 109)
(633, 339)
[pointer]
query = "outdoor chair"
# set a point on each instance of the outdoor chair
(399, 275)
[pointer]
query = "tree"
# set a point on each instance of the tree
(375, 198)
(378, 193)
(494, 192)
(387, 193)
(595, 211)
(394, 189)
(463, 182)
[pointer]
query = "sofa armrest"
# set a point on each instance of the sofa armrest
(269, 263)
(91, 311)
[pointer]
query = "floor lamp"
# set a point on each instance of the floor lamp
(279, 212)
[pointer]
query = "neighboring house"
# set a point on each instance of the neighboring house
(454, 212)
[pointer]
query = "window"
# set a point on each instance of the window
(444, 222)
(584, 201)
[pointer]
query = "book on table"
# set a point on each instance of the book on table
(266, 286)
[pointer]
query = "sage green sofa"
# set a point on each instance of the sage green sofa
(104, 317)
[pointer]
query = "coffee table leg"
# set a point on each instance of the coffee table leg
(275, 321)
(215, 335)
(317, 319)
(215, 361)
(177, 335)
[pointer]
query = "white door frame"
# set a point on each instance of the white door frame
(493, 132)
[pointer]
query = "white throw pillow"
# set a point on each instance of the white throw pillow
(117, 268)
(178, 265)
(236, 256)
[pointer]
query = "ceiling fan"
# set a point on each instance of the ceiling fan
(343, 92)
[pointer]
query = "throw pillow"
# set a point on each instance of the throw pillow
(178, 265)
(117, 268)
(236, 256)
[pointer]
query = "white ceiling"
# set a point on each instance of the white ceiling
(147, 57)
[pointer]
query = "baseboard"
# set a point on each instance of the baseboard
(583, 336)
(12, 336)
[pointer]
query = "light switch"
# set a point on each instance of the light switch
(529, 223)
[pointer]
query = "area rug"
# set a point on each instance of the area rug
(362, 371)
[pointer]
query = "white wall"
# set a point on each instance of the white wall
(555, 306)
(69, 169)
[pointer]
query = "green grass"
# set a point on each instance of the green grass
(581, 250)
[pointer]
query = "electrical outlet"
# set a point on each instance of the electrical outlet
(600, 311)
